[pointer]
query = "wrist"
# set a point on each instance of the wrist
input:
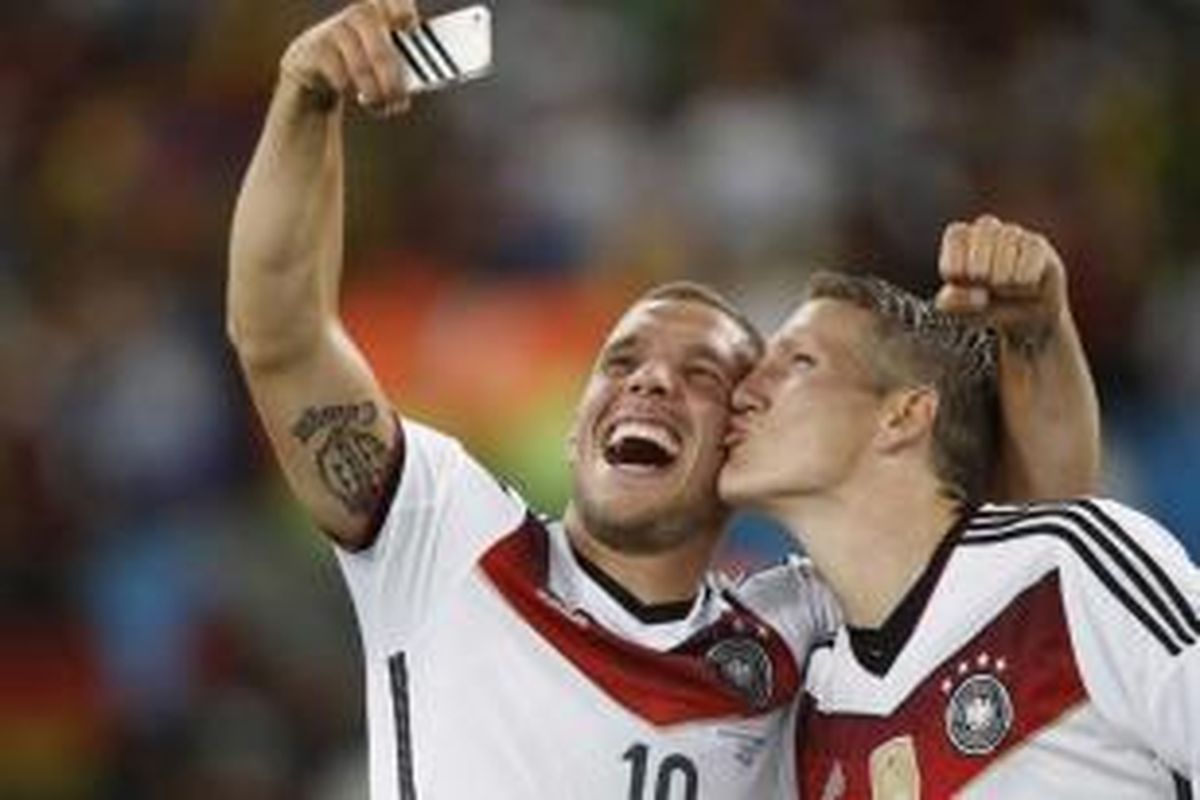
(1028, 341)
(303, 94)
(1032, 333)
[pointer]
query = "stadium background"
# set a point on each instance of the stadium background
(170, 627)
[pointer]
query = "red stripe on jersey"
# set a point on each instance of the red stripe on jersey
(681, 685)
(1026, 648)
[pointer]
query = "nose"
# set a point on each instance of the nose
(652, 377)
(748, 396)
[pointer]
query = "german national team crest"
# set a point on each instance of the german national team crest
(742, 662)
(979, 712)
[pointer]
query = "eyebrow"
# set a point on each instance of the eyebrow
(735, 365)
(626, 342)
(704, 351)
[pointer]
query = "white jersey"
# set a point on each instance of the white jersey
(498, 667)
(1055, 657)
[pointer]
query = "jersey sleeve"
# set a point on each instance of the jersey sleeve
(795, 601)
(1133, 607)
(446, 510)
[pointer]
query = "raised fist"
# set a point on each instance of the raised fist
(1011, 276)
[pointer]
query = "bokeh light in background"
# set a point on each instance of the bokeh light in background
(170, 626)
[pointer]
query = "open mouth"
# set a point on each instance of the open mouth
(641, 446)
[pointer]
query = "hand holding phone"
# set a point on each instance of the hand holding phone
(378, 53)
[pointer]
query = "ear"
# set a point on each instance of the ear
(907, 418)
(572, 442)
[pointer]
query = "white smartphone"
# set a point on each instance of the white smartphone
(447, 50)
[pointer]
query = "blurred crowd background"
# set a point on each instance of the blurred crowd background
(171, 627)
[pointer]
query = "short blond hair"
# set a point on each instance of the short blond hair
(691, 291)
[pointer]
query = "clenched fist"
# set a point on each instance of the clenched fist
(351, 54)
(1011, 276)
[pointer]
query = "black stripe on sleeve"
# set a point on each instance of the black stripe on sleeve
(1183, 787)
(1089, 558)
(398, 671)
(1077, 514)
(1173, 592)
(441, 49)
(410, 58)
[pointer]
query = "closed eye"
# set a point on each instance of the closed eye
(707, 375)
(618, 363)
(803, 360)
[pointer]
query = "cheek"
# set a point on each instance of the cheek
(712, 423)
(842, 433)
(708, 449)
(808, 431)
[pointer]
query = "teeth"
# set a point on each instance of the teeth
(649, 431)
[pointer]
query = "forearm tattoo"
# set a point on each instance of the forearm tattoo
(1029, 342)
(351, 459)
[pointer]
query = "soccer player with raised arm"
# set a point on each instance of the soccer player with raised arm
(1037, 650)
(508, 657)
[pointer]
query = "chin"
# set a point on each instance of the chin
(642, 533)
(738, 488)
(643, 528)
(615, 511)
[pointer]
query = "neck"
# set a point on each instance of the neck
(668, 576)
(871, 544)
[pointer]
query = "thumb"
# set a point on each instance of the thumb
(958, 299)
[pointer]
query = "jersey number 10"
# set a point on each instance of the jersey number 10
(674, 770)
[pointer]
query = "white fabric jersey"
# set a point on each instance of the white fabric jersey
(497, 667)
(1056, 657)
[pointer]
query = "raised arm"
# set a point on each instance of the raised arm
(1050, 444)
(328, 420)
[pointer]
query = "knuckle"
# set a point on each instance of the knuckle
(952, 257)
(1034, 248)
(365, 9)
(955, 235)
(981, 245)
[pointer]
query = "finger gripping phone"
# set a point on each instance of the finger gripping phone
(447, 50)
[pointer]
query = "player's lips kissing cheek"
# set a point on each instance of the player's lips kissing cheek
(738, 432)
